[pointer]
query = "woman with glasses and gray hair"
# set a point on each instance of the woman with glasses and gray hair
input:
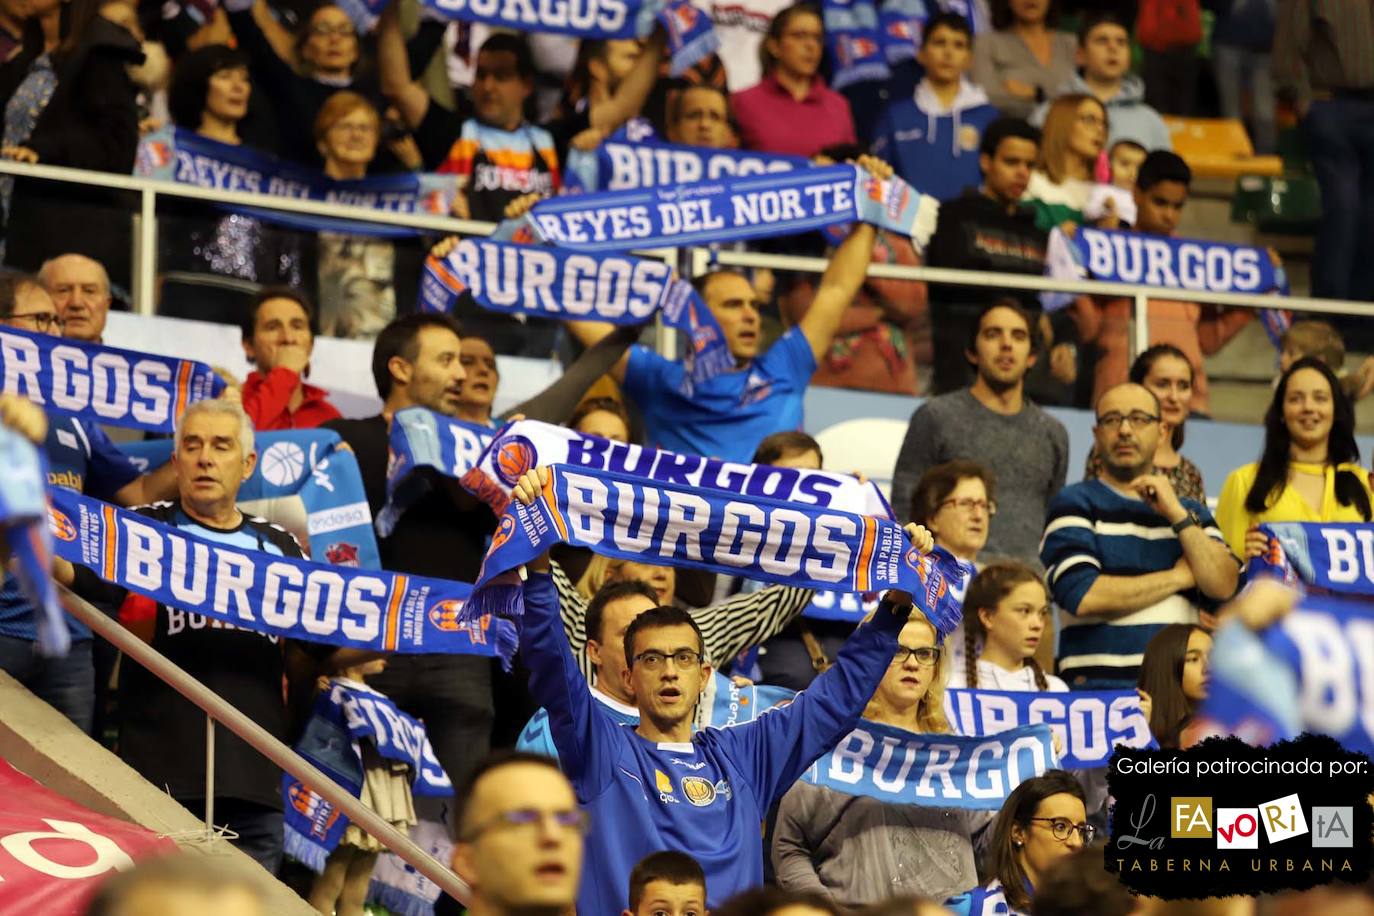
(856, 850)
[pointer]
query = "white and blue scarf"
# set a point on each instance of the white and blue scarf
(276, 595)
(183, 156)
(313, 466)
(344, 715)
(534, 280)
(1335, 558)
(1090, 724)
(422, 438)
(691, 35)
(103, 385)
(900, 767)
(25, 519)
(733, 210)
(633, 518)
(614, 166)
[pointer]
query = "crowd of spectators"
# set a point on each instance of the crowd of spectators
(1114, 581)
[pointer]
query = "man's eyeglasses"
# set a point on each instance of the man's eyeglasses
(1062, 828)
(969, 506)
(1138, 418)
(682, 658)
(926, 656)
(42, 321)
(575, 820)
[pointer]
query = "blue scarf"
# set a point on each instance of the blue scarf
(534, 280)
(102, 385)
(344, 715)
(1090, 723)
(691, 35)
(846, 608)
(176, 154)
(421, 438)
(732, 210)
(901, 23)
(627, 166)
(297, 599)
(1134, 257)
(631, 518)
(25, 518)
(942, 771)
(856, 47)
(732, 705)
(397, 887)
(310, 465)
(1323, 557)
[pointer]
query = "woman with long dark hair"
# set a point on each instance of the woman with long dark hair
(1309, 470)
(1174, 675)
(1041, 822)
(1166, 371)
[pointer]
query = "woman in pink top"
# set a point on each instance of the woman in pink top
(791, 110)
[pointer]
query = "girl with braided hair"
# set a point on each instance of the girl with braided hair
(1007, 613)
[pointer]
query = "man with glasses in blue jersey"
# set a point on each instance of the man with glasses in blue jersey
(661, 786)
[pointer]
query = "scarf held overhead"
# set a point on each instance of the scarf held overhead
(1089, 724)
(691, 35)
(900, 767)
(24, 516)
(631, 518)
(344, 715)
(280, 596)
(627, 166)
(183, 156)
(103, 384)
(733, 209)
(534, 280)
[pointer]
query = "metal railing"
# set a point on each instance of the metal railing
(144, 252)
(218, 710)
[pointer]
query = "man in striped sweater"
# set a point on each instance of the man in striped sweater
(1125, 555)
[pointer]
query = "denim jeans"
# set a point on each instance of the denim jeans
(1238, 69)
(1340, 143)
(66, 684)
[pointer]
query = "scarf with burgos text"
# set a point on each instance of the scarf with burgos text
(265, 593)
(489, 464)
(791, 543)
(345, 715)
(627, 166)
(690, 33)
(563, 285)
(1328, 558)
(1115, 256)
(102, 384)
(24, 516)
(183, 156)
(899, 767)
(1090, 724)
(308, 465)
(734, 210)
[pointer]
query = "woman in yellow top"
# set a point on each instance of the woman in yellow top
(1309, 471)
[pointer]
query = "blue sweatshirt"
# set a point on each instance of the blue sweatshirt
(707, 797)
(934, 150)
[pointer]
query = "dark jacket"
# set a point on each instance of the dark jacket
(975, 232)
(90, 123)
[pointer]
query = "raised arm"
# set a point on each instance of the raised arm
(556, 403)
(591, 333)
(843, 277)
(393, 65)
(628, 100)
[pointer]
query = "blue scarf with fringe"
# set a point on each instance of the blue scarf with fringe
(632, 518)
(422, 438)
(733, 210)
(345, 715)
(899, 767)
(26, 520)
(280, 596)
(614, 166)
(513, 278)
(1089, 723)
(103, 385)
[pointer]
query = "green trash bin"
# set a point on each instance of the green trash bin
(1288, 206)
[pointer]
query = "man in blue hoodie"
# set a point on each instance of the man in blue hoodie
(932, 139)
(1104, 56)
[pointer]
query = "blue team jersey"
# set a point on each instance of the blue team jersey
(81, 458)
(707, 797)
(728, 416)
(537, 739)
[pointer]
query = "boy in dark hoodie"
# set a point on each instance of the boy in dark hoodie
(932, 139)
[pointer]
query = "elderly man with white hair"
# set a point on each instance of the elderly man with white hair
(80, 289)
(214, 454)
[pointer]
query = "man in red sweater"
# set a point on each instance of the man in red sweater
(278, 336)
